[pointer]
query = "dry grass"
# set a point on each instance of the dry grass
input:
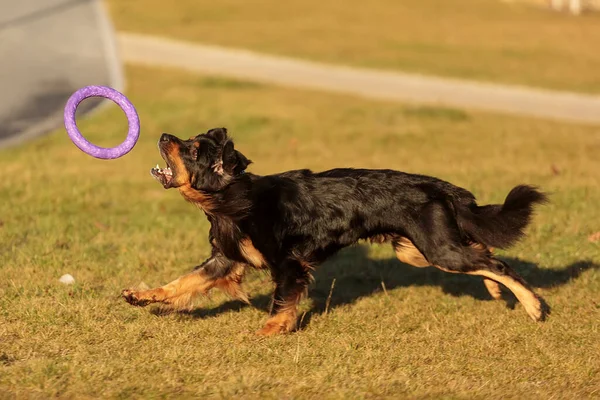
(474, 39)
(428, 335)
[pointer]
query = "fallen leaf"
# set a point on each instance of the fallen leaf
(554, 169)
(594, 237)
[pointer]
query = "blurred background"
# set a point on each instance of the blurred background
(486, 94)
(53, 47)
(50, 49)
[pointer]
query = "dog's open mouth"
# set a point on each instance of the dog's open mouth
(163, 175)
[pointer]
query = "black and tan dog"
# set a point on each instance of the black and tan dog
(289, 223)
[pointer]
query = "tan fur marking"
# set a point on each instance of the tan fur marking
(493, 288)
(251, 254)
(481, 247)
(308, 268)
(530, 301)
(178, 293)
(196, 197)
(380, 239)
(182, 181)
(180, 172)
(231, 284)
(409, 254)
(282, 322)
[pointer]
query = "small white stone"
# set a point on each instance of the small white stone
(67, 279)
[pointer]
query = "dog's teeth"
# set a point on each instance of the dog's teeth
(157, 167)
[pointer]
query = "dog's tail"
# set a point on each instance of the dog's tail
(501, 225)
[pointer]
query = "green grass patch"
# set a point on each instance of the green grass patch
(428, 334)
(489, 40)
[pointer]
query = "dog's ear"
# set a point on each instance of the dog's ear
(218, 134)
(234, 162)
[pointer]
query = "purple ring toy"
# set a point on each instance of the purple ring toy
(89, 148)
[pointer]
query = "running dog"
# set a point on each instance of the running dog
(291, 222)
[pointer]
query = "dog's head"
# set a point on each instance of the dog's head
(207, 162)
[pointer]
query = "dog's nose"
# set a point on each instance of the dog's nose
(165, 137)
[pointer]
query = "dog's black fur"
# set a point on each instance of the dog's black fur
(293, 221)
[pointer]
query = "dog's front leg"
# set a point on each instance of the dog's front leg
(291, 281)
(216, 271)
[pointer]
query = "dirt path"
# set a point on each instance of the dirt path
(394, 86)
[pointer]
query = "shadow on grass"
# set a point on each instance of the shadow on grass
(356, 276)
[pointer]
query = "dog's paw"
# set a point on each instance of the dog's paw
(537, 309)
(276, 328)
(133, 298)
(271, 329)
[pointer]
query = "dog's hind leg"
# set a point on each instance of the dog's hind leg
(291, 282)
(493, 288)
(407, 253)
(498, 271)
(439, 240)
(491, 285)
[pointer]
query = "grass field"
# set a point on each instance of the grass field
(487, 40)
(391, 330)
